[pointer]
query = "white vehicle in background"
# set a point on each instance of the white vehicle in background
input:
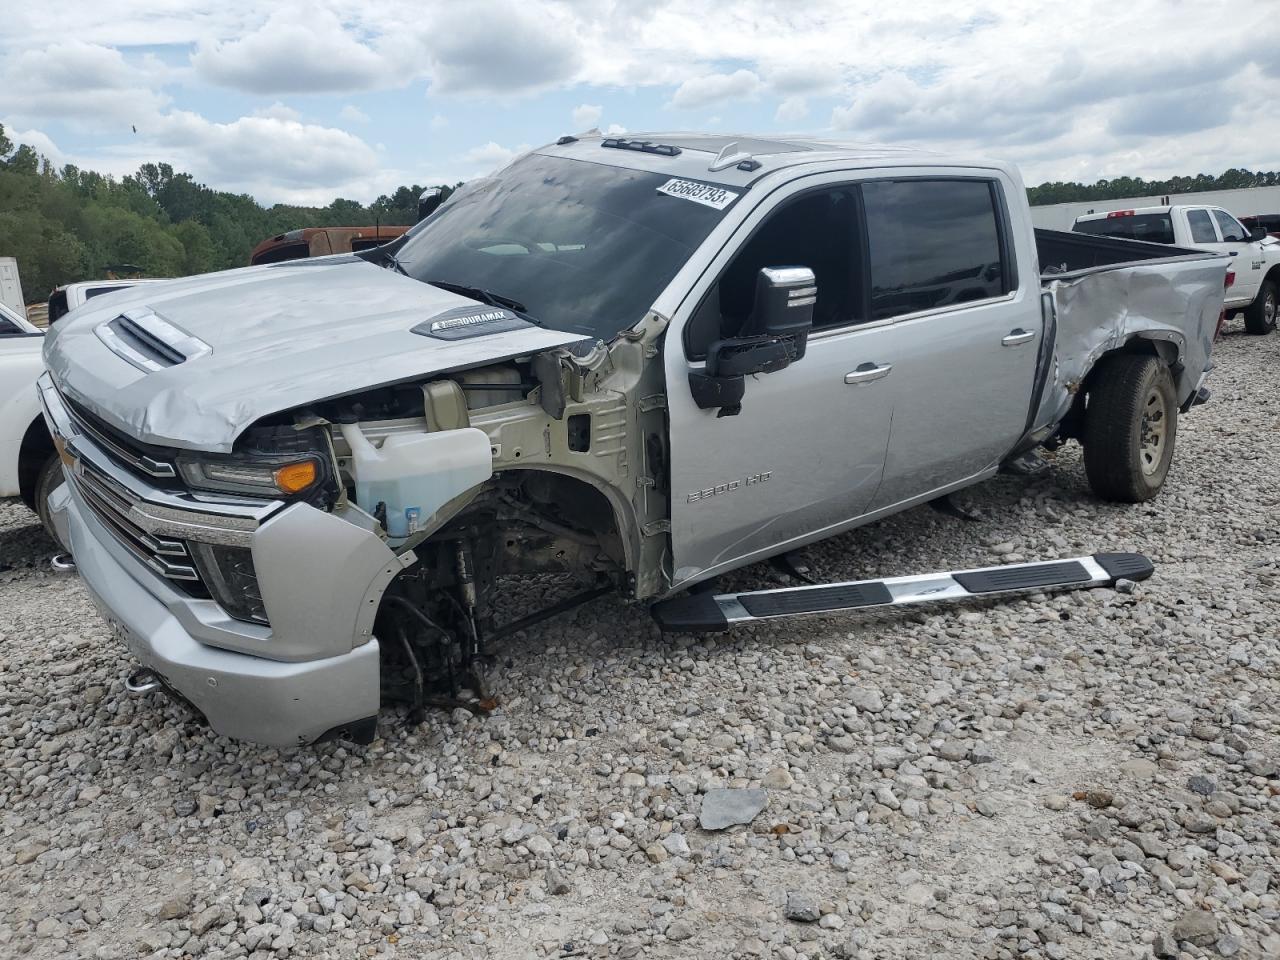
(66, 298)
(1256, 256)
(29, 465)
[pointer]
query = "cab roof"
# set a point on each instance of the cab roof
(692, 155)
(1145, 211)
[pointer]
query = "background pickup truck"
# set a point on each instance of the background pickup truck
(295, 490)
(1255, 261)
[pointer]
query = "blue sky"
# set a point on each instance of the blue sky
(307, 101)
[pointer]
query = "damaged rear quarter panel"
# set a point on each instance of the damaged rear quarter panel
(1099, 311)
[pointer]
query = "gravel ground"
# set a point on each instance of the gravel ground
(1083, 775)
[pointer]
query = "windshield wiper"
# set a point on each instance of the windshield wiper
(387, 257)
(486, 296)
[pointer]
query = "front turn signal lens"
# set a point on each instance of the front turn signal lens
(295, 477)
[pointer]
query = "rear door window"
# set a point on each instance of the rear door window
(933, 243)
(1232, 231)
(1201, 227)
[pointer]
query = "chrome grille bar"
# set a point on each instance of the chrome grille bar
(130, 458)
(112, 504)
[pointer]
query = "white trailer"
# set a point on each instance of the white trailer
(11, 287)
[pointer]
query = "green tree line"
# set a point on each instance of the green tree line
(1233, 179)
(69, 224)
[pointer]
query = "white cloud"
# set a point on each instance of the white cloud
(791, 110)
(89, 85)
(278, 111)
(586, 116)
(353, 114)
(500, 47)
(615, 130)
(295, 51)
(715, 87)
(439, 121)
(264, 150)
(491, 156)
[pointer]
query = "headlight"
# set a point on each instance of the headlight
(259, 476)
(232, 581)
(271, 462)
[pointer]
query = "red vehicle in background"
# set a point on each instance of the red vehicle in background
(1269, 222)
(320, 242)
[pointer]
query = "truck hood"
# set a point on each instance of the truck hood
(261, 340)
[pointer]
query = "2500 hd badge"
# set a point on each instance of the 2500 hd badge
(729, 487)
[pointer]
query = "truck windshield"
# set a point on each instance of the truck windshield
(1151, 227)
(583, 247)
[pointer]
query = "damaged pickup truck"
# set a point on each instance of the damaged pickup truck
(294, 489)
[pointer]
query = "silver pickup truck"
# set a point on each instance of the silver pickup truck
(295, 490)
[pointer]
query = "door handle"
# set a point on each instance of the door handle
(1018, 336)
(866, 372)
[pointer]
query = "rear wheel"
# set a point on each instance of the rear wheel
(1260, 316)
(1130, 424)
(48, 481)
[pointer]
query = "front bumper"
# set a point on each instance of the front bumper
(312, 672)
(242, 696)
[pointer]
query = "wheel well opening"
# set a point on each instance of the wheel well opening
(37, 447)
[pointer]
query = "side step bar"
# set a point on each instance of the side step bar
(716, 613)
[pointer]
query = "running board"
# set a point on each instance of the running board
(717, 612)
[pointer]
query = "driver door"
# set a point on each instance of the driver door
(1246, 255)
(805, 455)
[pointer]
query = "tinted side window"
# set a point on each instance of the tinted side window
(1232, 232)
(8, 328)
(933, 243)
(1201, 227)
(99, 291)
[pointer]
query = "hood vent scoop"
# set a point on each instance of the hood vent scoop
(148, 341)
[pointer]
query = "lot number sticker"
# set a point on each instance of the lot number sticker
(704, 193)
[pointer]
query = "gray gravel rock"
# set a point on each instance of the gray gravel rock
(1196, 926)
(1202, 785)
(802, 906)
(728, 807)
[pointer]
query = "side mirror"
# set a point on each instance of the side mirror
(784, 303)
(428, 202)
(773, 337)
(1258, 233)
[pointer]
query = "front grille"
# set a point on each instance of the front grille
(147, 462)
(113, 504)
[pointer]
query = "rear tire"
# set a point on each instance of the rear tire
(1130, 425)
(1260, 316)
(48, 481)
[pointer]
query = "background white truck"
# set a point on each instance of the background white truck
(1255, 256)
(28, 464)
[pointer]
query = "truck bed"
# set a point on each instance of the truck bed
(1101, 292)
(1061, 252)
